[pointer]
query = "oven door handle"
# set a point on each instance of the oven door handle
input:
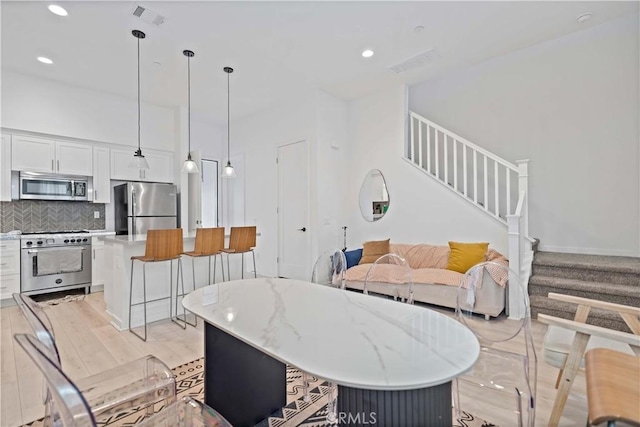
(36, 251)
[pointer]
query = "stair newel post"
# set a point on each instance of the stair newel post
(523, 185)
(516, 310)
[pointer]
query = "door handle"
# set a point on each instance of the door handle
(53, 169)
(303, 229)
(58, 165)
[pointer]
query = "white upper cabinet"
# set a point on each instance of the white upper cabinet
(160, 166)
(31, 154)
(74, 159)
(120, 169)
(101, 175)
(5, 168)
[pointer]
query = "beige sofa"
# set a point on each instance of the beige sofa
(432, 282)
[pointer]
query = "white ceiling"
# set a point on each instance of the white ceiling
(278, 49)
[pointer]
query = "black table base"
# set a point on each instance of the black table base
(246, 386)
(241, 383)
(408, 408)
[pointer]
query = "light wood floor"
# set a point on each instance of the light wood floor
(89, 344)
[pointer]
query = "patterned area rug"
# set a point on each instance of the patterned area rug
(190, 382)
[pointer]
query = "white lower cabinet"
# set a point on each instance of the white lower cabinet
(9, 268)
(98, 262)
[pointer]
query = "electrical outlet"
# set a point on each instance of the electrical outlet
(96, 214)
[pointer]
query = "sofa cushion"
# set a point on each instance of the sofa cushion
(463, 256)
(421, 255)
(353, 257)
(391, 273)
(373, 250)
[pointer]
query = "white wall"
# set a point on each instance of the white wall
(332, 171)
(420, 210)
(319, 119)
(46, 106)
(571, 105)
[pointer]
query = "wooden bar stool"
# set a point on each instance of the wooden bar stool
(161, 246)
(209, 243)
(241, 241)
(613, 387)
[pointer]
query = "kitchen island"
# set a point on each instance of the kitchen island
(118, 253)
(389, 359)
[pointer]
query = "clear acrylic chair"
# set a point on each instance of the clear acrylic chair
(186, 412)
(390, 275)
(139, 383)
(501, 381)
(72, 407)
(329, 269)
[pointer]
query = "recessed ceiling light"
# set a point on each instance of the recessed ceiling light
(45, 60)
(367, 53)
(584, 18)
(418, 28)
(58, 10)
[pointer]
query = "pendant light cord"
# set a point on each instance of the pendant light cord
(228, 121)
(189, 102)
(138, 94)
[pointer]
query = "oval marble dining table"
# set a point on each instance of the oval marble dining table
(391, 359)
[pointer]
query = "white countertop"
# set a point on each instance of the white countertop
(138, 238)
(90, 233)
(346, 337)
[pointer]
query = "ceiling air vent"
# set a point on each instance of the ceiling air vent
(417, 61)
(148, 16)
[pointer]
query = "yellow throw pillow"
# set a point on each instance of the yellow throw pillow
(463, 256)
(373, 250)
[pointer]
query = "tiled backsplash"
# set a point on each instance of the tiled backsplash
(40, 215)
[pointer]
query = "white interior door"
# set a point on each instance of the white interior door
(293, 210)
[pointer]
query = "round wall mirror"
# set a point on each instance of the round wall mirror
(374, 198)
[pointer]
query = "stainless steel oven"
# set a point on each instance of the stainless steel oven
(55, 262)
(38, 186)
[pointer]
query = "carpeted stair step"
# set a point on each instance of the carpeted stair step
(593, 268)
(564, 310)
(611, 292)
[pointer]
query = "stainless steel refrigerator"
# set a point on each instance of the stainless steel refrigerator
(142, 206)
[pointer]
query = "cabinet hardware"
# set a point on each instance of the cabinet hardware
(53, 169)
(58, 165)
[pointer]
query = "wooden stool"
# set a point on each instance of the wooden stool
(161, 246)
(613, 387)
(209, 243)
(241, 241)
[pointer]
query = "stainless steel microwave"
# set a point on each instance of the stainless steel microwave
(37, 186)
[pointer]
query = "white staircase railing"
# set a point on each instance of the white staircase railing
(496, 186)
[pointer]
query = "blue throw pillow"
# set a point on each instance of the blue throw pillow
(353, 257)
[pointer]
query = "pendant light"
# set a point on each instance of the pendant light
(138, 161)
(189, 166)
(228, 171)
